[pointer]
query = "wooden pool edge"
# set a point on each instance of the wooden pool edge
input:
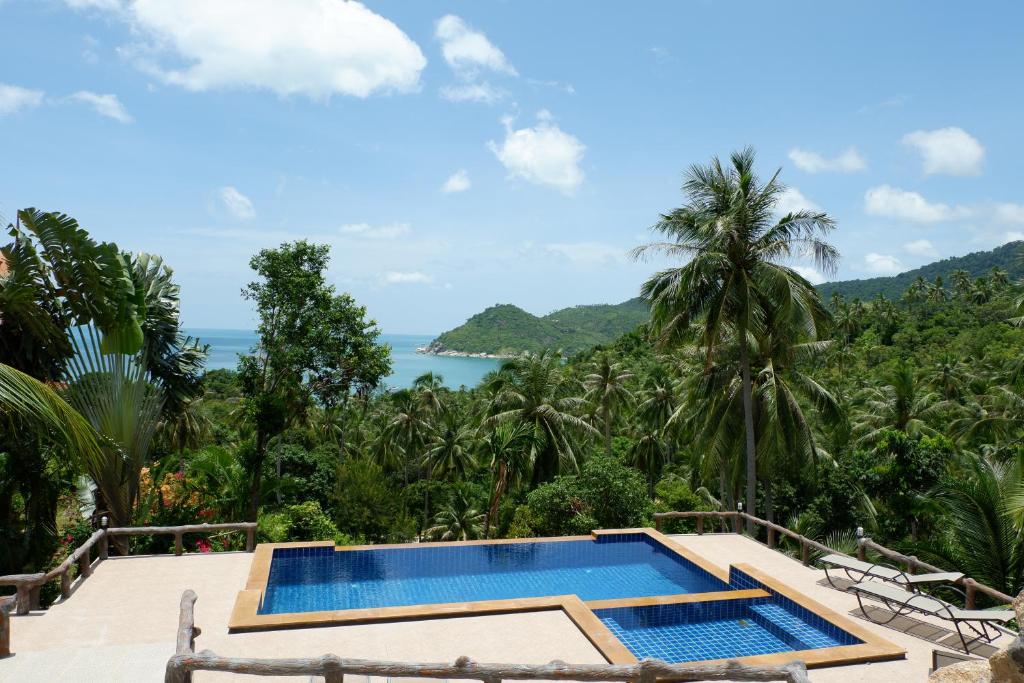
(245, 615)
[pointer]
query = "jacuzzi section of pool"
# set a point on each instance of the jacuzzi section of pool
(314, 579)
(720, 629)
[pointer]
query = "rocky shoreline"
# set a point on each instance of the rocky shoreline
(433, 350)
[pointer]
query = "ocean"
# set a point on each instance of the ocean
(407, 365)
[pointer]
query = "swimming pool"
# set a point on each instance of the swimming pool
(633, 593)
(602, 568)
(719, 629)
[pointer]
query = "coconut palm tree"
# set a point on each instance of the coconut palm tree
(900, 403)
(509, 448)
(537, 393)
(459, 520)
(736, 275)
(605, 385)
(449, 454)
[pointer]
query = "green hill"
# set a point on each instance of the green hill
(506, 329)
(977, 264)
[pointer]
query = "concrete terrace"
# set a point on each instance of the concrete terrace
(119, 625)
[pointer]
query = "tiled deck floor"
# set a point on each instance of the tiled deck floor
(119, 625)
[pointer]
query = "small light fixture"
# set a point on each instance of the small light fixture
(860, 532)
(739, 506)
(104, 522)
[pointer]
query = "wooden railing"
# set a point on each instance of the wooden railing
(912, 564)
(186, 660)
(27, 586)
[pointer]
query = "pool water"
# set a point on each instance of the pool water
(719, 629)
(627, 566)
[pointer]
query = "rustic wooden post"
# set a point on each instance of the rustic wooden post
(332, 669)
(771, 538)
(700, 524)
(250, 539)
(104, 547)
(970, 599)
(85, 563)
(736, 524)
(65, 583)
(862, 549)
(33, 596)
(911, 564)
(657, 523)
(177, 543)
(805, 551)
(5, 626)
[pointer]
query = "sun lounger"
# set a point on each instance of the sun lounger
(865, 570)
(900, 602)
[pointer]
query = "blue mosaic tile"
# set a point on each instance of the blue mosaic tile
(614, 566)
(718, 629)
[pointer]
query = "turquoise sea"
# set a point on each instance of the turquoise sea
(407, 365)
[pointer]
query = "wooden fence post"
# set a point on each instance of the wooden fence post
(332, 669)
(970, 599)
(700, 525)
(5, 626)
(736, 524)
(65, 583)
(85, 563)
(862, 550)
(912, 565)
(104, 547)
(250, 539)
(177, 543)
(771, 538)
(805, 551)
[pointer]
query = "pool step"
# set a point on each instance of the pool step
(780, 623)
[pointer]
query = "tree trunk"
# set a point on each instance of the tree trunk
(257, 478)
(608, 433)
(499, 489)
(748, 420)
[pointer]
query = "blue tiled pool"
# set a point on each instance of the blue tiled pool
(623, 566)
(720, 629)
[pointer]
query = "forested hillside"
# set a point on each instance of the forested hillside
(976, 264)
(506, 329)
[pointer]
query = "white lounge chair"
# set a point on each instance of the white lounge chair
(900, 602)
(866, 570)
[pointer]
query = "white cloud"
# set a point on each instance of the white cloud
(95, 4)
(468, 51)
(951, 150)
(883, 264)
(378, 232)
(792, 200)
(237, 203)
(14, 98)
(587, 252)
(1009, 213)
(921, 248)
(810, 274)
(104, 105)
(458, 182)
(397, 277)
(848, 161)
(473, 92)
(544, 154)
(315, 48)
(893, 202)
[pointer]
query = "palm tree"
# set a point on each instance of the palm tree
(658, 402)
(901, 403)
(535, 392)
(459, 520)
(961, 282)
(509, 446)
(984, 537)
(449, 454)
(736, 276)
(605, 385)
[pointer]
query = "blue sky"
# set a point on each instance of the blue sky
(461, 154)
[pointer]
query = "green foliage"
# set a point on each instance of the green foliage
(300, 522)
(893, 287)
(506, 329)
(604, 495)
